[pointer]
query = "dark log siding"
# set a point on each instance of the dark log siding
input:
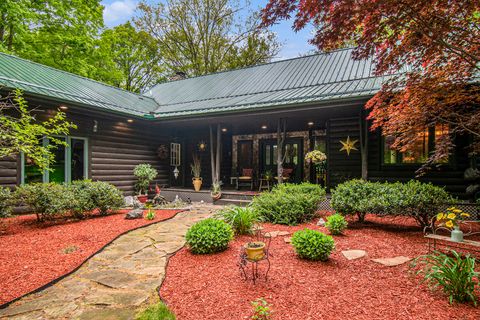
(9, 172)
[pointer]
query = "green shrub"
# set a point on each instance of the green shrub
(5, 202)
(157, 311)
(455, 275)
(261, 310)
(241, 219)
(289, 203)
(415, 199)
(45, 199)
(336, 223)
(106, 196)
(209, 236)
(83, 197)
(145, 174)
(312, 244)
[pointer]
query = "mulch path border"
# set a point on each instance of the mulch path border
(52, 282)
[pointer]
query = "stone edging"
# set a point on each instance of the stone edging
(54, 281)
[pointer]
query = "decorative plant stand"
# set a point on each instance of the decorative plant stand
(244, 260)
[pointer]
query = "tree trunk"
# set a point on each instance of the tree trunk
(215, 154)
(10, 38)
(218, 151)
(364, 146)
(212, 158)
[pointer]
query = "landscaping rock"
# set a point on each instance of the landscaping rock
(321, 222)
(274, 234)
(134, 214)
(129, 201)
(392, 262)
(354, 254)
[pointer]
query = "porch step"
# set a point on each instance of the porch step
(234, 202)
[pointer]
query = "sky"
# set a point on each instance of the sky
(293, 43)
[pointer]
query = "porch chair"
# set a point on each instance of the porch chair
(246, 179)
(287, 172)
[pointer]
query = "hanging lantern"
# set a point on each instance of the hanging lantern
(176, 172)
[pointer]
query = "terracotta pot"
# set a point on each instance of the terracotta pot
(255, 253)
(216, 196)
(142, 198)
(197, 183)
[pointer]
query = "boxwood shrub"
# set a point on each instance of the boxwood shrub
(289, 204)
(336, 224)
(105, 196)
(313, 245)
(209, 236)
(418, 200)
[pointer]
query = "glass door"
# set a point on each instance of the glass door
(292, 153)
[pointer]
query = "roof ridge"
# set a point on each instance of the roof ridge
(252, 66)
(278, 90)
(76, 75)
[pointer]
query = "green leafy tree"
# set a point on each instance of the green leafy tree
(204, 36)
(21, 132)
(136, 57)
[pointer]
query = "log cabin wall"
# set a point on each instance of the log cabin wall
(113, 150)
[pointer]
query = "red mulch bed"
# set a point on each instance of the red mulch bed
(32, 254)
(210, 287)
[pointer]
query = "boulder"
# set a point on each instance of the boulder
(129, 201)
(134, 214)
(321, 222)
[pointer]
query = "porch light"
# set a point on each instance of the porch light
(310, 123)
(264, 127)
(63, 107)
(176, 172)
(224, 129)
(129, 120)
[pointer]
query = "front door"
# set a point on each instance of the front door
(293, 159)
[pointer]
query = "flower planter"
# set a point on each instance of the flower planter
(142, 198)
(216, 196)
(255, 250)
(197, 184)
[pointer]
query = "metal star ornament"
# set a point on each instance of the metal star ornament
(348, 145)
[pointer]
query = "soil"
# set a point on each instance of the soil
(211, 286)
(32, 254)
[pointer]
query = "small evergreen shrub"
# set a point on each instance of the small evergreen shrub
(157, 311)
(145, 174)
(5, 202)
(289, 204)
(451, 273)
(83, 197)
(106, 196)
(241, 219)
(313, 245)
(45, 199)
(209, 236)
(336, 223)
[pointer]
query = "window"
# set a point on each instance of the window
(420, 150)
(71, 163)
(175, 154)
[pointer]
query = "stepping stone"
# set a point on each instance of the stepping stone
(288, 239)
(274, 234)
(392, 262)
(354, 254)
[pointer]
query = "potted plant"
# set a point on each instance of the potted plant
(196, 171)
(319, 161)
(255, 250)
(268, 175)
(145, 174)
(216, 192)
(450, 220)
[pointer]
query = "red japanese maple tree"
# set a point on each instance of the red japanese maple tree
(432, 47)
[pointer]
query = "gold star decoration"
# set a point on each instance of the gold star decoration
(348, 145)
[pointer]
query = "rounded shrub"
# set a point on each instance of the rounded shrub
(83, 197)
(209, 236)
(242, 219)
(313, 245)
(145, 174)
(5, 202)
(106, 196)
(336, 223)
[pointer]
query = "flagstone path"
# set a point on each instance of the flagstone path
(117, 281)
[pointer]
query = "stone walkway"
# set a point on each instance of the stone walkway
(116, 282)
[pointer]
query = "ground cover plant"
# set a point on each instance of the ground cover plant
(33, 254)
(209, 236)
(453, 274)
(313, 245)
(242, 219)
(413, 199)
(289, 204)
(261, 310)
(157, 311)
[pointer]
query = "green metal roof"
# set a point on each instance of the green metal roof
(45, 81)
(309, 79)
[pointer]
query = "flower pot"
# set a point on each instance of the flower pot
(457, 234)
(197, 184)
(142, 198)
(255, 253)
(216, 196)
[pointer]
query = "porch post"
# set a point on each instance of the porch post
(364, 145)
(281, 136)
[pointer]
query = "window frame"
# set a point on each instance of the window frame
(68, 160)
